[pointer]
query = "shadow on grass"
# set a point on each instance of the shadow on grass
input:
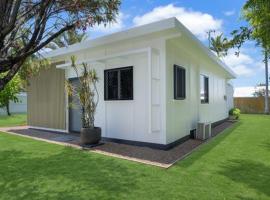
(68, 175)
(266, 146)
(205, 148)
(254, 174)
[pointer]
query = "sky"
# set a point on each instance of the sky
(199, 16)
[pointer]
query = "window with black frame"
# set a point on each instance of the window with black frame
(118, 84)
(179, 83)
(204, 89)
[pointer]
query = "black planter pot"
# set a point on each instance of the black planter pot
(90, 136)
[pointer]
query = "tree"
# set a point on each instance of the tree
(38, 22)
(260, 90)
(30, 68)
(9, 93)
(35, 63)
(67, 38)
(220, 45)
(256, 13)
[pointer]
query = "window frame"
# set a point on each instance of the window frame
(119, 69)
(175, 67)
(206, 92)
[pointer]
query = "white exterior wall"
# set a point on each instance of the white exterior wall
(141, 119)
(230, 94)
(183, 115)
(153, 116)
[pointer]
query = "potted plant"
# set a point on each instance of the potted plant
(234, 114)
(88, 96)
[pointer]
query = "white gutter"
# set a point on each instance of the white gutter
(115, 37)
(204, 48)
(171, 23)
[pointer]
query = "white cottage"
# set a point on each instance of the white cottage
(157, 81)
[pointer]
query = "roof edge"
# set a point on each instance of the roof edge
(205, 49)
(153, 27)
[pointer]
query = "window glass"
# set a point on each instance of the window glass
(179, 82)
(204, 89)
(118, 84)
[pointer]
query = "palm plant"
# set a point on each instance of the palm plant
(67, 38)
(86, 92)
(219, 44)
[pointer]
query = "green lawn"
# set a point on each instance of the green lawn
(13, 120)
(235, 165)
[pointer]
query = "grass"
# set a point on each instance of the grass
(13, 120)
(235, 165)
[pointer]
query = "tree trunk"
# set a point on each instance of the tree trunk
(266, 103)
(7, 108)
(11, 73)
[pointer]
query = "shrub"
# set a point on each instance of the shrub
(235, 112)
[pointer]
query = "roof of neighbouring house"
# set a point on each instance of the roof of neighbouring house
(163, 25)
(247, 91)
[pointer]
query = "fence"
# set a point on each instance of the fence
(20, 107)
(250, 104)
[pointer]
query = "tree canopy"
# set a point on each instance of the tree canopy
(9, 93)
(67, 38)
(36, 23)
(220, 45)
(257, 13)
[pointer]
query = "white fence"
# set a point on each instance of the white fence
(20, 107)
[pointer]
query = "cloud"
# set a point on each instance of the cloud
(113, 27)
(197, 22)
(229, 13)
(242, 65)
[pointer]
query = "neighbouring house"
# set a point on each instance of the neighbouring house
(247, 91)
(157, 81)
(19, 107)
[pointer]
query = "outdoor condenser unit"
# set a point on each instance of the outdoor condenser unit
(203, 130)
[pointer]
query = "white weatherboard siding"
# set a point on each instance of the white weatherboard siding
(139, 119)
(183, 115)
(153, 115)
(230, 92)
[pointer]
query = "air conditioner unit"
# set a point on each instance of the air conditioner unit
(203, 130)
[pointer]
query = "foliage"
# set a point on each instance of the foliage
(220, 45)
(239, 38)
(67, 38)
(235, 112)
(36, 23)
(86, 92)
(9, 93)
(257, 13)
(260, 91)
(30, 68)
(35, 63)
